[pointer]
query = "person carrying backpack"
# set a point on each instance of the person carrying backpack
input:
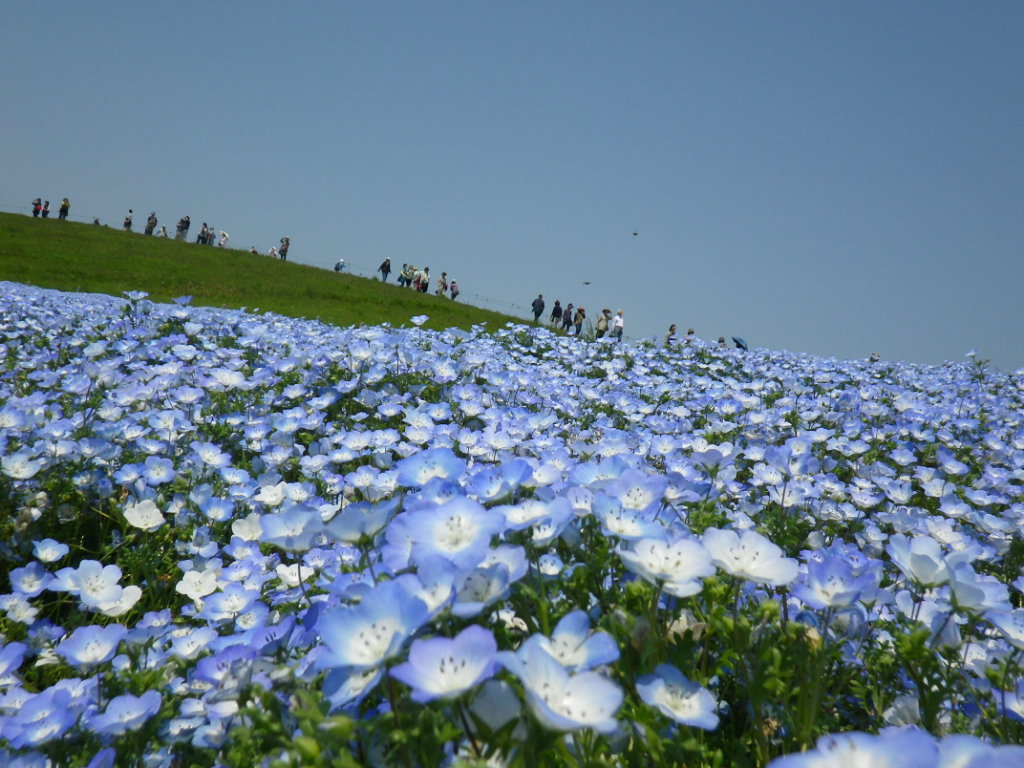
(384, 269)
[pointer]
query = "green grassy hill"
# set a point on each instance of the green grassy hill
(70, 256)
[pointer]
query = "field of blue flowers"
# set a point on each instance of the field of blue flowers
(232, 539)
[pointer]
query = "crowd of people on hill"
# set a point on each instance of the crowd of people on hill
(207, 234)
(572, 319)
(419, 279)
(41, 208)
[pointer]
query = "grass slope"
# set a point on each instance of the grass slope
(69, 256)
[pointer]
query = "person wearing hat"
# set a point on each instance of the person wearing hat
(581, 315)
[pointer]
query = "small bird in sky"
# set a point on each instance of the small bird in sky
(586, 282)
(635, 234)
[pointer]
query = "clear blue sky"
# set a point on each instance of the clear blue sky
(833, 178)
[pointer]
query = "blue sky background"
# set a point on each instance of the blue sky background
(832, 178)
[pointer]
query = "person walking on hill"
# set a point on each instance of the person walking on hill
(384, 269)
(556, 314)
(182, 230)
(567, 316)
(538, 307)
(581, 315)
(454, 288)
(283, 250)
(46, 209)
(65, 206)
(442, 284)
(602, 323)
(37, 207)
(617, 326)
(151, 223)
(128, 221)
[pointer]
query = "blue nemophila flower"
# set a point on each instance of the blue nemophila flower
(905, 748)
(125, 713)
(832, 583)
(678, 565)
(480, 587)
(674, 695)
(43, 718)
(91, 645)
(422, 467)
(459, 530)
(361, 519)
(920, 558)
(372, 631)
(560, 700)
(294, 529)
(96, 585)
(49, 550)
(443, 668)
(964, 751)
(638, 491)
(158, 470)
(749, 555)
(11, 657)
(30, 580)
(344, 687)
(629, 524)
(1011, 625)
(229, 603)
(977, 593)
(21, 465)
(145, 515)
(575, 646)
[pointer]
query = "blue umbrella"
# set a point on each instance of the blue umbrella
(740, 343)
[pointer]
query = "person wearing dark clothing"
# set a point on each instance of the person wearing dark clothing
(283, 250)
(46, 209)
(567, 317)
(182, 231)
(384, 269)
(151, 223)
(556, 313)
(581, 315)
(65, 206)
(37, 206)
(128, 221)
(538, 307)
